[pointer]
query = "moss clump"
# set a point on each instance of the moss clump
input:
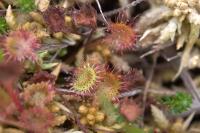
(3, 25)
(177, 103)
(26, 5)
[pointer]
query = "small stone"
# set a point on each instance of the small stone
(92, 122)
(83, 121)
(83, 109)
(90, 117)
(92, 110)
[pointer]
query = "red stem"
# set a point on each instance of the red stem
(14, 95)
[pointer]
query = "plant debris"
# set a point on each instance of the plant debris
(97, 66)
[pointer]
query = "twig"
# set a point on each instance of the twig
(156, 49)
(189, 84)
(124, 3)
(130, 93)
(99, 6)
(134, 3)
(64, 91)
(188, 121)
(53, 47)
(70, 92)
(148, 83)
(88, 38)
(169, 59)
(153, 91)
(55, 55)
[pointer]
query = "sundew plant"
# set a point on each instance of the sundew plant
(99, 66)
